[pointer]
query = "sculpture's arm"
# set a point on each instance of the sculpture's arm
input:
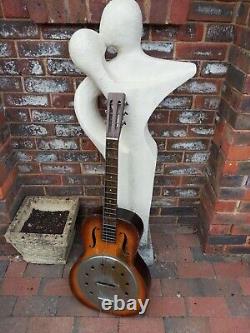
(85, 104)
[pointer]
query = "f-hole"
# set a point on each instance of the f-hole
(94, 238)
(124, 244)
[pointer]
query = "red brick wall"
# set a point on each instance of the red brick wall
(225, 203)
(38, 80)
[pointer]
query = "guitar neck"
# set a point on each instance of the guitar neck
(110, 190)
(115, 113)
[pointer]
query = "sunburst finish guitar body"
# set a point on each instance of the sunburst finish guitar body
(110, 265)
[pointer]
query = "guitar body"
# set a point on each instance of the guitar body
(106, 268)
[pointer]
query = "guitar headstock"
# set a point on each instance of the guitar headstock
(115, 114)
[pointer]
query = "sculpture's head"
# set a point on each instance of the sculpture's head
(121, 24)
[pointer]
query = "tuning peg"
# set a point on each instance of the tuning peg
(124, 123)
(126, 103)
(125, 113)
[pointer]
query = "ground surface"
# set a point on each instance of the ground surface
(191, 293)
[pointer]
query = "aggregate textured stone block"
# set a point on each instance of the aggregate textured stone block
(43, 248)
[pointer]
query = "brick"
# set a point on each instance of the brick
(192, 270)
(16, 268)
(62, 101)
(183, 325)
(8, 67)
(28, 306)
(18, 30)
(242, 37)
(68, 130)
(187, 145)
(225, 239)
(231, 270)
(220, 33)
(186, 32)
(209, 11)
(57, 144)
(30, 130)
(105, 323)
(242, 14)
(96, 9)
(40, 179)
(137, 325)
(160, 130)
(207, 102)
(82, 180)
(200, 86)
(239, 305)
(159, 49)
(207, 307)
(44, 85)
(191, 117)
(245, 285)
(3, 268)
(159, 11)
(19, 286)
(23, 143)
(60, 168)
(15, 10)
(7, 49)
(194, 51)
(236, 78)
(166, 306)
(220, 325)
(183, 170)
(176, 102)
(49, 325)
(240, 58)
(39, 270)
(10, 84)
(69, 306)
(62, 67)
(17, 115)
(6, 306)
(11, 325)
(33, 49)
(26, 100)
(64, 190)
(179, 11)
(53, 116)
(55, 287)
(82, 157)
(214, 69)
(58, 32)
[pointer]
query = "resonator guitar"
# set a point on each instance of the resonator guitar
(110, 266)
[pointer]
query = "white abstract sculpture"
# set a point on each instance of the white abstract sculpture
(145, 80)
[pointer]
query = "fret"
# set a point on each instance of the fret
(111, 177)
(108, 226)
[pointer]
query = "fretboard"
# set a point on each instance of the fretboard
(110, 191)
